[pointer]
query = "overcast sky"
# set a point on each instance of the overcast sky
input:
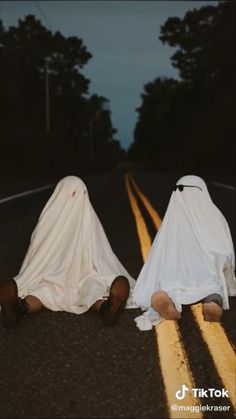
(123, 39)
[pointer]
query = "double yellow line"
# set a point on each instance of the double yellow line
(173, 358)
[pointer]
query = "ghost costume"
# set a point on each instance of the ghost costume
(192, 255)
(69, 264)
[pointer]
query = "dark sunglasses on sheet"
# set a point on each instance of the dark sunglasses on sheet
(181, 187)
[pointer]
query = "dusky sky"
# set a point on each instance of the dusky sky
(123, 39)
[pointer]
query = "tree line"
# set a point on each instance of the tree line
(188, 124)
(49, 123)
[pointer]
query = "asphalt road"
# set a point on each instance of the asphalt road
(59, 365)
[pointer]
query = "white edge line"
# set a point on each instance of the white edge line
(19, 195)
(224, 186)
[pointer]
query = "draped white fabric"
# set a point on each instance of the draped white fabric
(192, 255)
(69, 264)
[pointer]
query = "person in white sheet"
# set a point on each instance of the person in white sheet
(69, 265)
(191, 259)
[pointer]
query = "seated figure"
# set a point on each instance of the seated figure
(69, 265)
(191, 259)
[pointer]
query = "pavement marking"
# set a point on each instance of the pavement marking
(154, 215)
(173, 358)
(175, 368)
(145, 243)
(221, 351)
(218, 344)
(19, 195)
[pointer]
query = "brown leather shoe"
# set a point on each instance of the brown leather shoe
(12, 307)
(111, 308)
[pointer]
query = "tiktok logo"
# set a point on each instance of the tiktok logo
(180, 394)
(201, 392)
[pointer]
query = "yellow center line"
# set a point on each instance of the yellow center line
(173, 358)
(221, 351)
(217, 341)
(154, 215)
(145, 243)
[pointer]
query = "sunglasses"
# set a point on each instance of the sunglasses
(181, 187)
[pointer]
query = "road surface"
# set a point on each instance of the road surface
(59, 365)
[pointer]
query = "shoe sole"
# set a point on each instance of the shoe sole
(119, 293)
(8, 299)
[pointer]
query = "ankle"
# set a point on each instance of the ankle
(97, 305)
(23, 306)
